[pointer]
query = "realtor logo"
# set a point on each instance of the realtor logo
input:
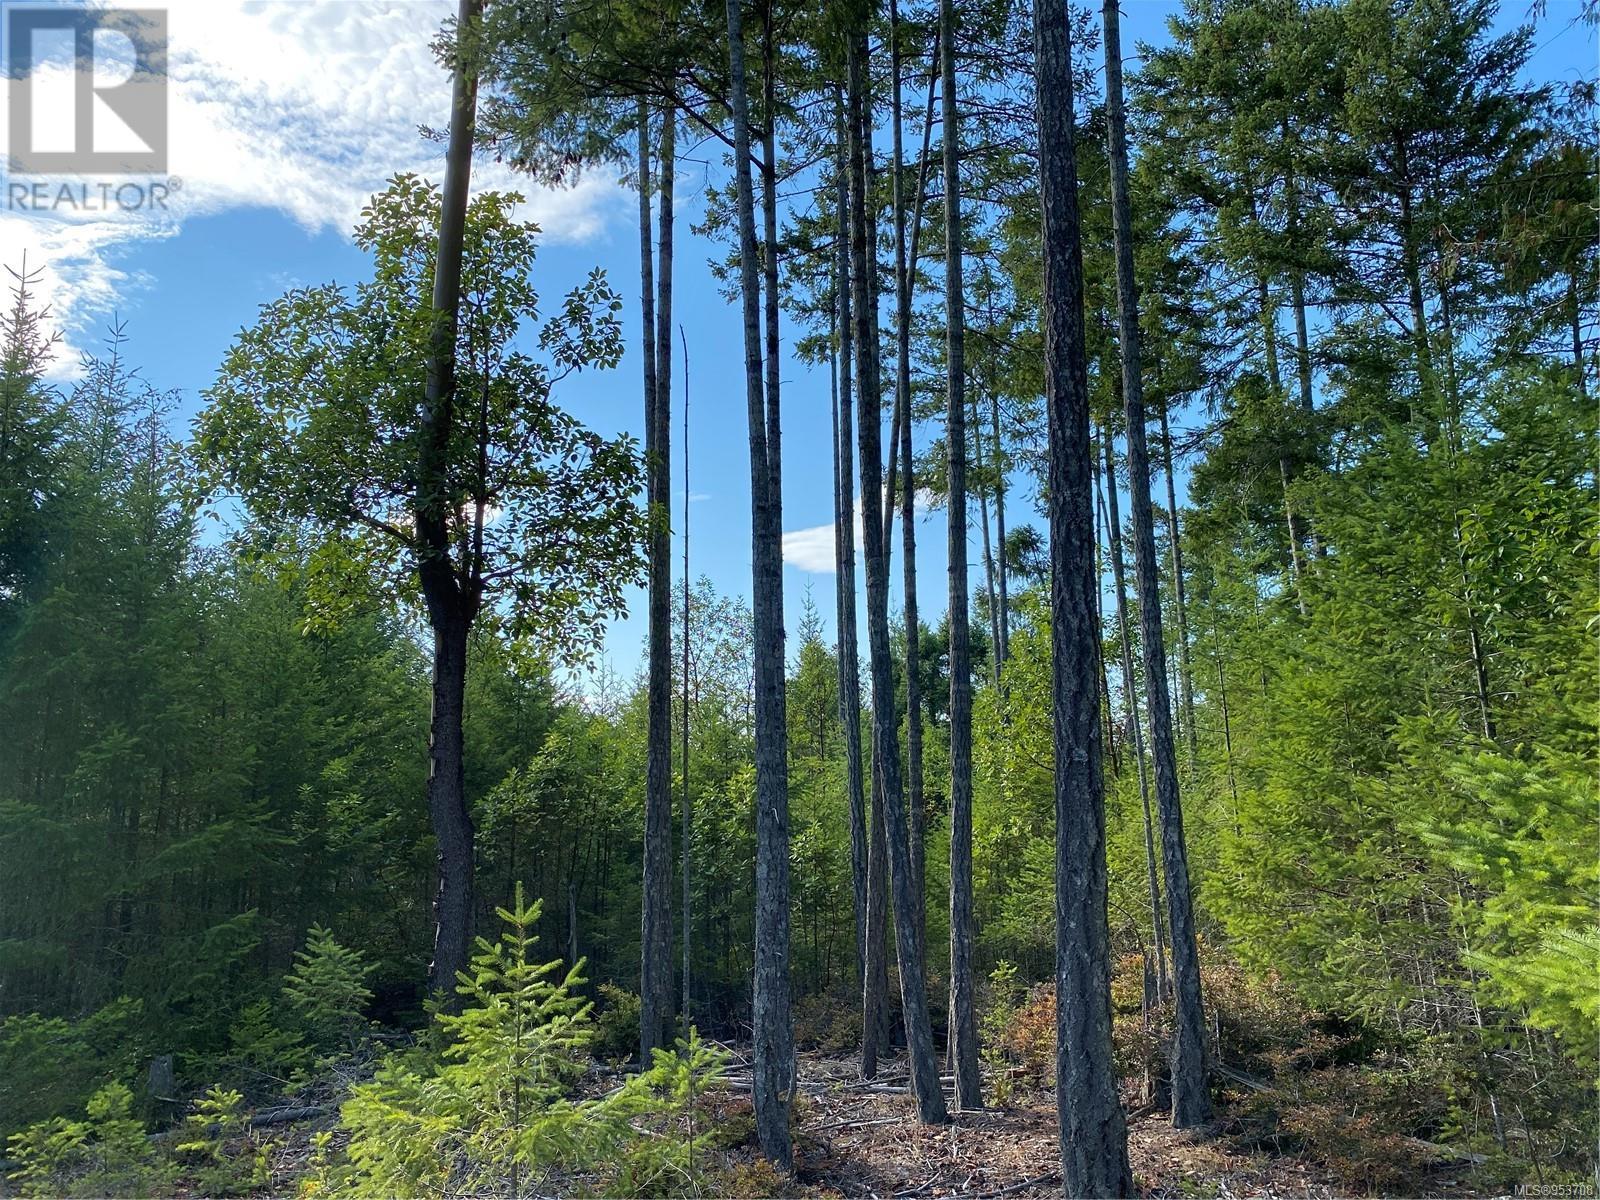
(88, 90)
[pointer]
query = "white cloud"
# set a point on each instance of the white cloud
(811, 549)
(305, 108)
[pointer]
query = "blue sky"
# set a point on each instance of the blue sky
(286, 113)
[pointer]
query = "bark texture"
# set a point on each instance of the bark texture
(452, 603)
(908, 489)
(963, 926)
(655, 941)
(1191, 1098)
(1093, 1132)
(773, 1070)
(1131, 692)
(885, 726)
(845, 547)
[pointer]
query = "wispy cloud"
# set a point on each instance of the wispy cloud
(305, 108)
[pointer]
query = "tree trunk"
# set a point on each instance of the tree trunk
(866, 824)
(451, 605)
(963, 1003)
(773, 1070)
(1275, 379)
(1191, 1100)
(885, 728)
(1003, 650)
(770, 296)
(1093, 1133)
(844, 529)
(1131, 693)
(447, 806)
(1108, 723)
(990, 593)
(1575, 321)
(1302, 338)
(686, 837)
(908, 524)
(1297, 288)
(1181, 606)
(655, 941)
(1411, 267)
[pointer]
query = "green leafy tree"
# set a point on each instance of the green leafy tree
(317, 420)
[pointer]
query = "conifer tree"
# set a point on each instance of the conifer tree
(1093, 1132)
(1191, 1100)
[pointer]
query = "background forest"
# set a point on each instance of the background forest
(1342, 607)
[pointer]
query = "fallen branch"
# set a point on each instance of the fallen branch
(1448, 1153)
(1022, 1186)
(285, 1116)
(853, 1124)
(1241, 1078)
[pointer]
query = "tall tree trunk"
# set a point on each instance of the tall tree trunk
(1302, 338)
(1181, 606)
(1003, 650)
(769, 262)
(877, 1031)
(963, 931)
(1411, 267)
(908, 521)
(885, 728)
(867, 846)
(1275, 379)
(452, 603)
(990, 593)
(686, 837)
(773, 1073)
(1191, 1099)
(845, 571)
(1131, 693)
(1093, 1133)
(452, 823)
(1575, 321)
(655, 941)
(1297, 287)
(1108, 723)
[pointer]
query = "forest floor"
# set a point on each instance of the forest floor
(855, 1139)
(864, 1140)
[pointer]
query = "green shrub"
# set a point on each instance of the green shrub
(828, 1021)
(326, 992)
(1001, 996)
(225, 1160)
(494, 1112)
(50, 1066)
(105, 1155)
(259, 1047)
(616, 1036)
